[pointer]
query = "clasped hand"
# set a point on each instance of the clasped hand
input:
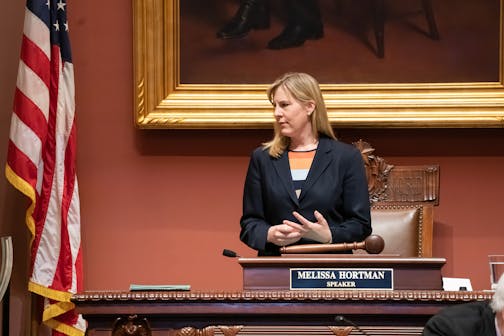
(290, 232)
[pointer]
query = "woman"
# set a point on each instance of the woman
(303, 186)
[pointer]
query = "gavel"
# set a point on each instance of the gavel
(373, 244)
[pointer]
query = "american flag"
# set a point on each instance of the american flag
(41, 161)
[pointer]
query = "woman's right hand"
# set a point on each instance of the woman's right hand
(283, 235)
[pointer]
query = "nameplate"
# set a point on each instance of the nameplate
(341, 278)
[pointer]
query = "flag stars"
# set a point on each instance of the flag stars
(57, 26)
(61, 5)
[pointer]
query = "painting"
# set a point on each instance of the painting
(186, 77)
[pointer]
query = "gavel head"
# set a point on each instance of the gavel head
(374, 244)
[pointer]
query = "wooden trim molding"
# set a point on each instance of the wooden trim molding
(98, 297)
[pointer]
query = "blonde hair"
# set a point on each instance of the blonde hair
(304, 88)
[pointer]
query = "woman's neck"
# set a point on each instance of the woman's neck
(306, 144)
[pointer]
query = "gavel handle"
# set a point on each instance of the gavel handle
(322, 248)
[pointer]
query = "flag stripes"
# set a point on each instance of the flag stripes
(41, 161)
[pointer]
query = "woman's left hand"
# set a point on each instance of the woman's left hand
(318, 231)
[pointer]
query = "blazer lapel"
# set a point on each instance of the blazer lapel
(319, 164)
(283, 171)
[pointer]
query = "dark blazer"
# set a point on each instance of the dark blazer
(336, 186)
(466, 319)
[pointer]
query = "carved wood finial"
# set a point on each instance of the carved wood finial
(340, 331)
(131, 326)
(377, 171)
(230, 330)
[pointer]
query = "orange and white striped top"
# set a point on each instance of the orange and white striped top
(300, 163)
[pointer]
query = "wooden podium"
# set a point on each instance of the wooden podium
(267, 307)
(264, 313)
(273, 273)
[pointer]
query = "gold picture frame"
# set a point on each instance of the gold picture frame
(162, 102)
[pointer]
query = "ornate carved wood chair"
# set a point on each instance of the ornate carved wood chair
(402, 199)
(379, 16)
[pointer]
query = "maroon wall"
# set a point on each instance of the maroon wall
(158, 206)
